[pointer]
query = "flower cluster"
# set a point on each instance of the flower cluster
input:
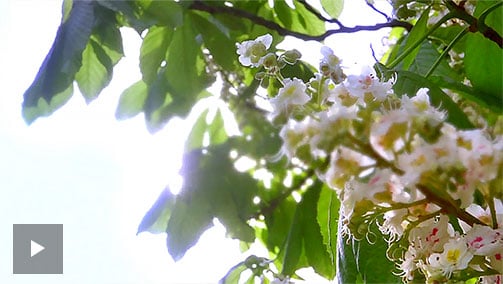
(396, 162)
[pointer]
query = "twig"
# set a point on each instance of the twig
(238, 13)
(378, 11)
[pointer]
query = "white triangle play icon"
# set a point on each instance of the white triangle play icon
(35, 248)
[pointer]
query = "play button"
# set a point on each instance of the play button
(35, 248)
(38, 249)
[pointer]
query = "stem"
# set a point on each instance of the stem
(446, 50)
(411, 48)
(407, 205)
(369, 151)
(448, 205)
(494, 220)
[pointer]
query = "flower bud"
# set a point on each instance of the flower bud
(269, 61)
(291, 56)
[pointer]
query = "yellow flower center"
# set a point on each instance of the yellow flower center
(453, 255)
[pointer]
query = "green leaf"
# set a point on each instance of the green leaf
(156, 219)
(234, 274)
(363, 262)
(484, 58)
(328, 214)
(278, 225)
(425, 57)
(96, 71)
(42, 108)
(216, 130)
(468, 93)
(220, 45)
(153, 51)
(418, 31)
(169, 13)
(132, 100)
(57, 73)
(347, 268)
(186, 68)
(333, 7)
(283, 13)
(191, 216)
(127, 13)
(408, 83)
(107, 34)
(196, 135)
(316, 251)
(294, 245)
(306, 22)
(212, 189)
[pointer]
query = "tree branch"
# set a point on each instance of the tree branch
(238, 13)
(318, 15)
(477, 25)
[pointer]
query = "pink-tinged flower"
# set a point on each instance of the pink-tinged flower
(493, 279)
(431, 235)
(415, 163)
(496, 261)
(292, 93)
(483, 240)
(484, 215)
(251, 52)
(419, 107)
(480, 157)
(455, 256)
(388, 133)
(368, 84)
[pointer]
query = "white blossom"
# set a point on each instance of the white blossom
(292, 93)
(251, 52)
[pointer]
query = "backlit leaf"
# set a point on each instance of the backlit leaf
(156, 219)
(57, 73)
(132, 100)
(153, 51)
(333, 7)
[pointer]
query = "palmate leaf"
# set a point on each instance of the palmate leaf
(52, 86)
(212, 189)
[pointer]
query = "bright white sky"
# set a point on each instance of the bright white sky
(98, 176)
